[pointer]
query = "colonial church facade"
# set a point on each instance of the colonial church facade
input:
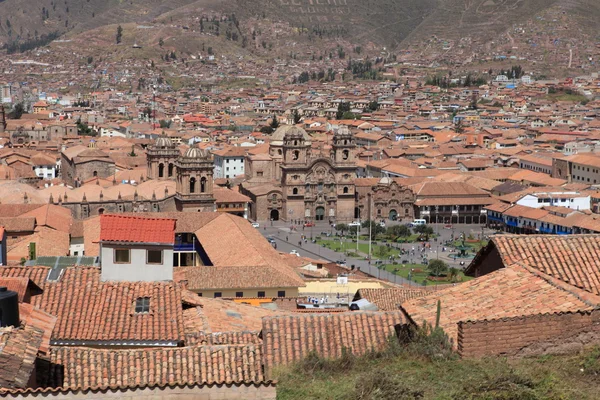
(294, 183)
(192, 172)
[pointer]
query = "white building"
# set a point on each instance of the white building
(229, 162)
(44, 166)
(136, 249)
(572, 200)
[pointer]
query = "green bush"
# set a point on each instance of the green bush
(506, 386)
(382, 385)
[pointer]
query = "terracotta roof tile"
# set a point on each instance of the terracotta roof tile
(288, 339)
(90, 310)
(508, 292)
(78, 367)
(18, 351)
(389, 299)
(120, 228)
(18, 224)
(574, 259)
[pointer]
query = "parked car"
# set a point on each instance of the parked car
(256, 224)
(355, 223)
(309, 224)
(341, 262)
(295, 252)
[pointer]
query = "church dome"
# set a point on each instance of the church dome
(386, 180)
(195, 152)
(288, 131)
(163, 141)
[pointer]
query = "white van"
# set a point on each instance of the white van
(417, 222)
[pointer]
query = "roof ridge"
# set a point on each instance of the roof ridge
(476, 321)
(562, 285)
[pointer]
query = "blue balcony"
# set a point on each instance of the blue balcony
(492, 218)
(512, 223)
(562, 231)
(184, 247)
(546, 230)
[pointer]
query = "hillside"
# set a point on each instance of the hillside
(411, 376)
(555, 32)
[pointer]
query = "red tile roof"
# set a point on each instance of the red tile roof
(120, 228)
(90, 310)
(389, 299)
(509, 292)
(288, 339)
(574, 259)
(20, 286)
(82, 368)
(18, 351)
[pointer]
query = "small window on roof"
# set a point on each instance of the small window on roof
(142, 305)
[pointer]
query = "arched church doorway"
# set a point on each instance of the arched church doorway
(274, 215)
(393, 215)
(320, 213)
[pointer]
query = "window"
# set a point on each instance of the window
(259, 173)
(345, 189)
(261, 294)
(154, 257)
(200, 294)
(295, 155)
(295, 191)
(122, 256)
(142, 305)
(218, 294)
(239, 294)
(281, 293)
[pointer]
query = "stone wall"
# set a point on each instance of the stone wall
(529, 335)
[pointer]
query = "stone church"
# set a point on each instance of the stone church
(292, 182)
(192, 172)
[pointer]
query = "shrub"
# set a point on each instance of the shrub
(382, 385)
(430, 343)
(315, 363)
(505, 386)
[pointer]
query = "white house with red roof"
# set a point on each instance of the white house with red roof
(135, 249)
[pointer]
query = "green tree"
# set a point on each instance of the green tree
(343, 107)
(424, 230)
(382, 252)
(17, 111)
(437, 267)
(399, 231)
(296, 116)
(119, 34)
(342, 228)
(373, 105)
(165, 124)
(274, 122)
(459, 126)
(83, 129)
(267, 130)
(453, 272)
(376, 229)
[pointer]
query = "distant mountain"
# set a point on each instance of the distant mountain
(379, 22)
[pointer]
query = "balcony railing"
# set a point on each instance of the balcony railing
(184, 246)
